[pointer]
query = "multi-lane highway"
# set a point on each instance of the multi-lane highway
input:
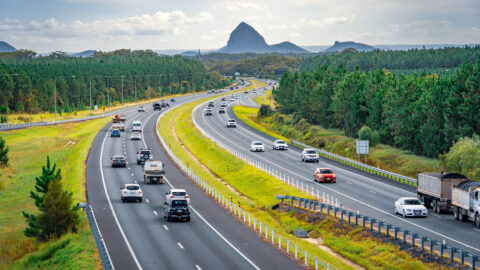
(137, 236)
(371, 195)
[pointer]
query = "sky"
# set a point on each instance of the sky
(79, 25)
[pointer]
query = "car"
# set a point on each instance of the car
(208, 112)
(176, 194)
(157, 106)
(231, 123)
(223, 104)
(221, 110)
(257, 146)
(223, 99)
(143, 155)
(232, 98)
(211, 104)
(115, 133)
(254, 91)
(324, 175)
(410, 207)
(209, 91)
(164, 104)
(177, 209)
(131, 192)
(135, 136)
(119, 161)
(310, 155)
(172, 100)
(137, 126)
(245, 92)
(280, 145)
(141, 109)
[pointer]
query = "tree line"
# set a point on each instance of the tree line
(423, 113)
(30, 85)
(437, 60)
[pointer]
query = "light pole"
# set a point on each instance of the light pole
(55, 92)
(108, 94)
(148, 76)
(90, 81)
(135, 89)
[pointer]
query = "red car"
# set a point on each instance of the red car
(324, 175)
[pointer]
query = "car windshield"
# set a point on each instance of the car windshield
(179, 193)
(133, 187)
(326, 171)
(145, 152)
(412, 202)
(231, 121)
(280, 142)
(310, 152)
(177, 203)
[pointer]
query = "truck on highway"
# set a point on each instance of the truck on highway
(466, 202)
(153, 172)
(435, 189)
(119, 122)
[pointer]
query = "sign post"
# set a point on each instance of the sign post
(362, 148)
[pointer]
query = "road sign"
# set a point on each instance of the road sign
(362, 147)
(104, 107)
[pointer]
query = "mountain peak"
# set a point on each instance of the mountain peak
(5, 47)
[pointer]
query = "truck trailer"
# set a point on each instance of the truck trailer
(466, 202)
(435, 189)
(153, 172)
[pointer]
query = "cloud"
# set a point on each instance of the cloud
(294, 34)
(159, 23)
(234, 6)
(328, 21)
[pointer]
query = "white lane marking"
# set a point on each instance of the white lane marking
(155, 213)
(338, 192)
(476, 230)
(435, 215)
(198, 267)
(200, 216)
(348, 182)
(111, 207)
(372, 191)
(147, 201)
(136, 182)
(165, 226)
(180, 245)
(129, 168)
(132, 174)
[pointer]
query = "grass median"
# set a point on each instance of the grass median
(68, 146)
(255, 191)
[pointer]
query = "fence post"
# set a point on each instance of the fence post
(306, 257)
(279, 241)
(273, 236)
(295, 251)
(288, 246)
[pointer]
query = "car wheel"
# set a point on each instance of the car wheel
(188, 219)
(438, 210)
(168, 219)
(123, 199)
(404, 215)
(461, 216)
(140, 199)
(434, 205)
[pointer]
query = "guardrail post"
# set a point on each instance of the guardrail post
(442, 247)
(349, 216)
(295, 251)
(306, 257)
(387, 232)
(404, 236)
(414, 236)
(260, 227)
(341, 214)
(279, 241)
(328, 210)
(422, 242)
(462, 257)
(431, 245)
(380, 226)
(452, 253)
(266, 232)
(363, 221)
(395, 232)
(288, 246)
(474, 261)
(372, 220)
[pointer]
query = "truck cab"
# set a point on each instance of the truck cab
(466, 202)
(153, 172)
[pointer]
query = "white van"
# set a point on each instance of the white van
(137, 126)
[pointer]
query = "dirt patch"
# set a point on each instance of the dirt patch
(201, 164)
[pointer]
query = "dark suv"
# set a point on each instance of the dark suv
(157, 106)
(177, 209)
(144, 155)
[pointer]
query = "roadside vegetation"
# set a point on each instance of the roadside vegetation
(68, 146)
(255, 192)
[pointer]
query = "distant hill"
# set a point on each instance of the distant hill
(5, 47)
(245, 38)
(340, 46)
(315, 48)
(83, 54)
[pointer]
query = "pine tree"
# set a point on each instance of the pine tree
(3, 153)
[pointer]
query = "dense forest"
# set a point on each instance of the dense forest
(423, 113)
(30, 85)
(432, 60)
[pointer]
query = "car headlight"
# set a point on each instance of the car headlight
(409, 210)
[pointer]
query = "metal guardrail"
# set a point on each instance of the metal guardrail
(358, 165)
(24, 125)
(102, 249)
(395, 232)
(235, 210)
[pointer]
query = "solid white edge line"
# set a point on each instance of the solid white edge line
(338, 192)
(165, 226)
(180, 245)
(198, 267)
(155, 213)
(111, 206)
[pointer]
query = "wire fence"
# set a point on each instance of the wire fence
(279, 240)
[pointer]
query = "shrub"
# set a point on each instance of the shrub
(264, 110)
(3, 119)
(4, 109)
(366, 133)
(3, 153)
(464, 157)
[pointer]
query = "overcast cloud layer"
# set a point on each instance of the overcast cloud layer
(78, 25)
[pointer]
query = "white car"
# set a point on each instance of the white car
(131, 192)
(410, 207)
(223, 104)
(176, 194)
(310, 155)
(136, 136)
(280, 145)
(141, 109)
(137, 126)
(231, 123)
(257, 146)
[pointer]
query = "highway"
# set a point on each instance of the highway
(356, 190)
(137, 236)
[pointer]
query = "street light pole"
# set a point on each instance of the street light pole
(148, 76)
(108, 94)
(122, 91)
(135, 88)
(55, 92)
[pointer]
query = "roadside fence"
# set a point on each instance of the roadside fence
(102, 249)
(263, 230)
(395, 232)
(9, 126)
(361, 166)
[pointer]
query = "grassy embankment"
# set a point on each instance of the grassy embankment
(19, 118)
(334, 141)
(68, 146)
(255, 191)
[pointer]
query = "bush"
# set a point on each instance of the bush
(264, 110)
(4, 109)
(3, 153)
(3, 119)
(464, 157)
(366, 133)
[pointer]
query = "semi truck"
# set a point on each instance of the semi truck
(466, 202)
(119, 122)
(153, 172)
(435, 189)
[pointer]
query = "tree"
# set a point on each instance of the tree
(57, 216)
(3, 153)
(464, 157)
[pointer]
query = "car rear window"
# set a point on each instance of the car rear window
(118, 157)
(310, 152)
(179, 203)
(280, 142)
(257, 143)
(145, 152)
(326, 171)
(133, 187)
(179, 193)
(136, 124)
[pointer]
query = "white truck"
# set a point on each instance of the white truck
(153, 172)
(435, 189)
(466, 202)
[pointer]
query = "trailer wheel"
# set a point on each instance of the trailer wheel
(477, 220)
(438, 210)
(461, 216)
(434, 205)
(455, 213)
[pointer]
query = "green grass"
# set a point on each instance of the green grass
(255, 191)
(249, 116)
(68, 146)
(267, 100)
